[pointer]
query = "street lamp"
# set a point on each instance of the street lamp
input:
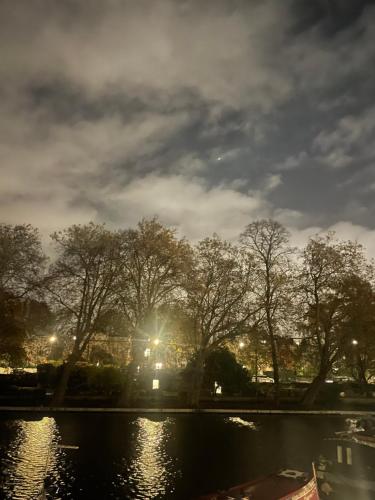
(156, 342)
(52, 339)
(355, 342)
(241, 345)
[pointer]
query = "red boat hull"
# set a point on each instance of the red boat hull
(273, 487)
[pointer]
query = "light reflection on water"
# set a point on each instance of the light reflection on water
(152, 471)
(32, 456)
(242, 423)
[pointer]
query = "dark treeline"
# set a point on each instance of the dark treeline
(319, 298)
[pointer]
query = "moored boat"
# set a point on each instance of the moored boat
(287, 484)
(348, 458)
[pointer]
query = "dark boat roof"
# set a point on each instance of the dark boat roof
(272, 487)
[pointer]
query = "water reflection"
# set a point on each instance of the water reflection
(152, 470)
(32, 455)
(242, 423)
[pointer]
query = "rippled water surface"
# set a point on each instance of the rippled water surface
(150, 457)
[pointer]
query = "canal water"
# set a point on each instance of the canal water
(151, 457)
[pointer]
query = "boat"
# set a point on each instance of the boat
(347, 458)
(287, 484)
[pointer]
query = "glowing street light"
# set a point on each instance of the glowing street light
(52, 339)
(156, 342)
(241, 345)
(355, 342)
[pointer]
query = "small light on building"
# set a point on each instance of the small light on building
(74, 337)
(158, 366)
(147, 352)
(155, 384)
(217, 388)
(97, 363)
(52, 339)
(355, 342)
(138, 368)
(241, 345)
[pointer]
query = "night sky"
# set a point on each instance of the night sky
(207, 113)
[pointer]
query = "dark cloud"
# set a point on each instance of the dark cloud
(206, 113)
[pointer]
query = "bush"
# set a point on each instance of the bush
(84, 378)
(330, 393)
(106, 379)
(47, 374)
(222, 367)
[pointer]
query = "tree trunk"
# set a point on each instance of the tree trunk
(62, 385)
(361, 375)
(315, 387)
(276, 377)
(197, 380)
(127, 393)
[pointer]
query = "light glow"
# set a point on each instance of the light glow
(217, 388)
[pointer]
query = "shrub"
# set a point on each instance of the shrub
(47, 374)
(84, 378)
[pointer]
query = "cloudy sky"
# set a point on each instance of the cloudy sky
(208, 113)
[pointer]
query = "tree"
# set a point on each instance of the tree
(81, 285)
(267, 245)
(252, 351)
(217, 301)
(359, 329)
(153, 268)
(327, 269)
(12, 335)
(21, 259)
(21, 264)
